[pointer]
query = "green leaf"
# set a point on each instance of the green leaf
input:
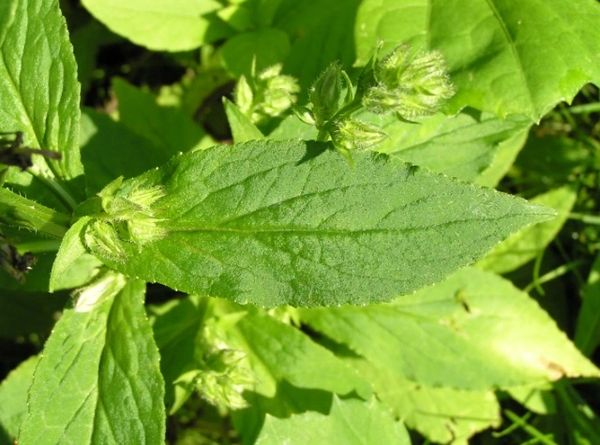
(587, 332)
(462, 146)
(38, 81)
(101, 367)
(265, 46)
(170, 25)
(349, 422)
(441, 414)
(473, 331)
(171, 129)
(242, 128)
(110, 149)
(524, 246)
(15, 210)
(73, 266)
(279, 352)
(504, 57)
(13, 399)
(319, 34)
(274, 223)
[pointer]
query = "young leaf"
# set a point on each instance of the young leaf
(473, 331)
(349, 422)
(170, 25)
(100, 366)
(38, 86)
(73, 266)
(524, 246)
(274, 223)
(13, 399)
(528, 57)
(242, 128)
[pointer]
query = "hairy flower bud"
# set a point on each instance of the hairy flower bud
(328, 94)
(411, 85)
(351, 134)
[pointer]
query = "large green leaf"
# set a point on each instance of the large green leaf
(13, 400)
(473, 331)
(349, 422)
(39, 91)
(171, 25)
(504, 57)
(274, 223)
(441, 414)
(100, 366)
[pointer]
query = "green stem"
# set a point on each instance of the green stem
(588, 219)
(533, 432)
(20, 211)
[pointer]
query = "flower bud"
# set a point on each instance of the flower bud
(351, 134)
(327, 93)
(411, 85)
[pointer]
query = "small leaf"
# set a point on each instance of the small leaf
(100, 366)
(242, 128)
(73, 266)
(349, 422)
(269, 223)
(473, 331)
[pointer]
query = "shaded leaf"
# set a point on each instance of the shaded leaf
(587, 332)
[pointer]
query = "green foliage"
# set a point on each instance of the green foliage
(263, 234)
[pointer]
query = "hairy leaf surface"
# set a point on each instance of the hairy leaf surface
(100, 366)
(274, 223)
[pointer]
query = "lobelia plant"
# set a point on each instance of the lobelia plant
(332, 274)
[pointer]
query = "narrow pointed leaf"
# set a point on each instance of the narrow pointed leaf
(242, 128)
(274, 223)
(98, 380)
(38, 81)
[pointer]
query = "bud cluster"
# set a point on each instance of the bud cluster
(406, 83)
(268, 94)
